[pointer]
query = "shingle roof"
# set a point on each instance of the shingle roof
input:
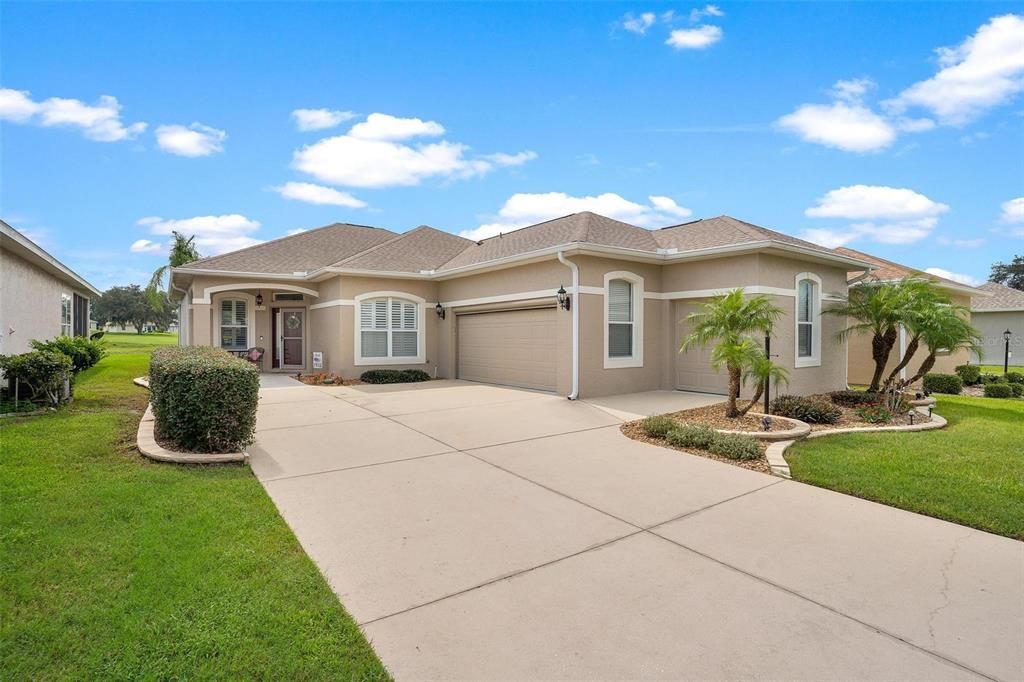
(303, 252)
(888, 270)
(577, 227)
(424, 248)
(1003, 298)
(724, 230)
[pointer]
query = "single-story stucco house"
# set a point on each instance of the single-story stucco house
(347, 298)
(40, 297)
(995, 314)
(861, 364)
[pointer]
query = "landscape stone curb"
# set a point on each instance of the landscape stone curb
(141, 381)
(800, 430)
(145, 440)
(779, 466)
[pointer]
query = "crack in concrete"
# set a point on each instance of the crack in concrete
(947, 565)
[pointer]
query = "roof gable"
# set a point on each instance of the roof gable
(422, 249)
(1002, 298)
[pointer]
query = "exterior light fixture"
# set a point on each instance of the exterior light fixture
(563, 298)
(259, 298)
(930, 408)
(766, 423)
(1006, 354)
(439, 309)
(910, 413)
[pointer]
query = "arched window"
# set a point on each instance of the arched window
(389, 329)
(623, 328)
(808, 320)
(234, 324)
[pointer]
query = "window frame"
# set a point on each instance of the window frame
(814, 359)
(389, 359)
(67, 315)
(637, 284)
(250, 316)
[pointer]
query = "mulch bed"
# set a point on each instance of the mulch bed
(852, 420)
(318, 380)
(633, 430)
(714, 416)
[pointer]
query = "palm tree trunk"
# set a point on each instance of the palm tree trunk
(881, 346)
(753, 401)
(925, 367)
(734, 392)
(908, 355)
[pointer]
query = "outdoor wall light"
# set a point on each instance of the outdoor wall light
(259, 298)
(439, 309)
(563, 298)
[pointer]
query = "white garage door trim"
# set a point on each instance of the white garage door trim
(509, 347)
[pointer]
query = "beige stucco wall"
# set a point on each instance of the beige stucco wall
(861, 366)
(30, 303)
(992, 326)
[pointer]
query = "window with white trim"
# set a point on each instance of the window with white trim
(620, 319)
(389, 328)
(65, 315)
(808, 320)
(234, 324)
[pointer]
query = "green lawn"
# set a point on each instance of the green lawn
(115, 567)
(971, 472)
(998, 369)
(119, 343)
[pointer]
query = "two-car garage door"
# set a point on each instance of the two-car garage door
(508, 347)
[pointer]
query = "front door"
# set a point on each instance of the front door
(291, 326)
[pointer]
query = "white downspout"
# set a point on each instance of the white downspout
(575, 324)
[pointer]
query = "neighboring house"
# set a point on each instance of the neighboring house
(40, 297)
(861, 364)
(993, 315)
(364, 297)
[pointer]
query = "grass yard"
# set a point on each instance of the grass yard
(971, 472)
(115, 567)
(998, 369)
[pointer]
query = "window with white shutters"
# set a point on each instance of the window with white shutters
(389, 328)
(234, 324)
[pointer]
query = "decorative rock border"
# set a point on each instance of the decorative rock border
(799, 430)
(141, 381)
(780, 467)
(923, 402)
(145, 440)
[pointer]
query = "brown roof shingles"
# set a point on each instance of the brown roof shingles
(724, 230)
(1003, 298)
(888, 270)
(422, 249)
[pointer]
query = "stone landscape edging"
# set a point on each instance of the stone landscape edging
(799, 430)
(780, 467)
(141, 381)
(145, 441)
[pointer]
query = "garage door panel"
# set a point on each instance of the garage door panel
(693, 368)
(511, 347)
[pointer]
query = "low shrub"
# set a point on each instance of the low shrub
(805, 409)
(1018, 390)
(692, 436)
(943, 383)
(83, 352)
(875, 414)
(1015, 377)
(204, 399)
(393, 376)
(969, 374)
(40, 375)
(855, 398)
(657, 426)
(998, 391)
(735, 446)
(993, 379)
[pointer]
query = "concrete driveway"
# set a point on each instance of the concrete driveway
(479, 532)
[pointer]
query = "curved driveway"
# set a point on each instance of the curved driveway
(479, 532)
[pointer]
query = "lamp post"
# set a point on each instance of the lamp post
(1006, 353)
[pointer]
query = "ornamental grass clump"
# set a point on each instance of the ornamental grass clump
(692, 436)
(735, 446)
(658, 426)
(204, 399)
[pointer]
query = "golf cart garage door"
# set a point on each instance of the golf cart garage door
(693, 368)
(508, 347)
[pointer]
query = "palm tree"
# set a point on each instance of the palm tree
(949, 330)
(923, 302)
(183, 250)
(730, 320)
(762, 371)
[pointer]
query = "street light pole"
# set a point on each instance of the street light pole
(1006, 353)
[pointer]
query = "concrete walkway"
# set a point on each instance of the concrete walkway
(478, 532)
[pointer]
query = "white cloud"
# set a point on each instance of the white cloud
(194, 140)
(145, 246)
(849, 126)
(318, 194)
(215, 234)
(388, 127)
(524, 209)
(708, 11)
(984, 71)
(962, 243)
(100, 122)
(1012, 211)
(852, 90)
(372, 155)
(694, 38)
(638, 24)
(889, 215)
(955, 276)
(320, 119)
(297, 230)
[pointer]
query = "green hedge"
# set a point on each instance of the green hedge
(998, 391)
(855, 398)
(1018, 390)
(806, 409)
(969, 374)
(204, 399)
(943, 383)
(39, 375)
(394, 376)
(1015, 377)
(83, 352)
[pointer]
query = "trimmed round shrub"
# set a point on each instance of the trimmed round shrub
(658, 426)
(943, 383)
(1015, 377)
(855, 398)
(998, 391)
(204, 399)
(805, 409)
(692, 436)
(1018, 390)
(993, 379)
(393, 376)
(969, 374)
(83, 352)
(39, 375)
(735, 446)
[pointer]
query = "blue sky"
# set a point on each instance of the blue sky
(893, 128)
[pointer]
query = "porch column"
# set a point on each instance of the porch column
(202, 324)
